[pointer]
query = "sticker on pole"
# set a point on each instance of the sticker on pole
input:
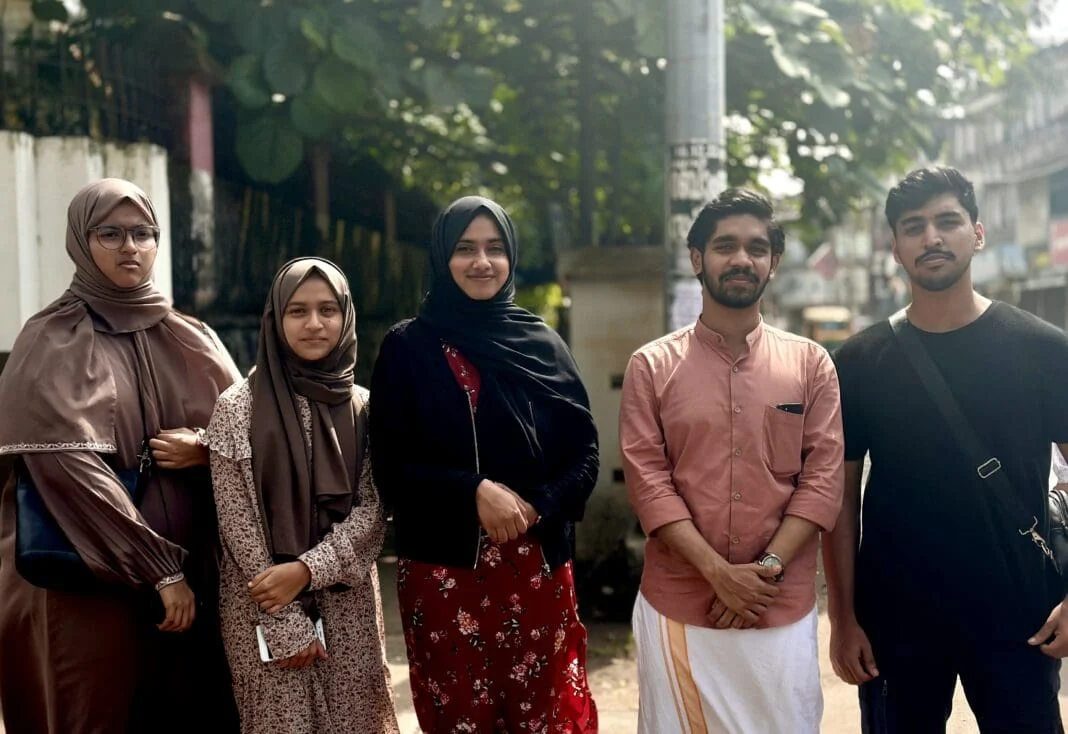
(696, 175)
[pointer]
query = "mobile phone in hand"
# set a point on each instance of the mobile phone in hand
(261, 640)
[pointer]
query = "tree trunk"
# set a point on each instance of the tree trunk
(320, 160)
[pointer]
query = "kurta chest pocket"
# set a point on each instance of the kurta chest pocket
(783, 433)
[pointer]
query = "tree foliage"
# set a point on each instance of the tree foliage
(462, 95)
(849, 90)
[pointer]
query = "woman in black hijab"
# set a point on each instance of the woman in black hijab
(484, 447)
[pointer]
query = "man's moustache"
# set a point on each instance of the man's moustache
(735, 273)
(935, 253)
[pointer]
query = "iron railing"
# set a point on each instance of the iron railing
(255, 232)
(59, 84)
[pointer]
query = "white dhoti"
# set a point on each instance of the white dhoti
(693, 680)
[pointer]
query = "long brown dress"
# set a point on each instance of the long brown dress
(94, 662)
(349, 692)
(90, 377)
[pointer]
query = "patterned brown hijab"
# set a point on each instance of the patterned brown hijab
(57, 392)
(304, 493)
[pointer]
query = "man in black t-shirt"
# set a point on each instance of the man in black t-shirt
(930, 579)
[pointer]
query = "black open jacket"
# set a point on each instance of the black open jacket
(423, 441)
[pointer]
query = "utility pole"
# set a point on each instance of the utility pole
(587, 140)
(696, 155)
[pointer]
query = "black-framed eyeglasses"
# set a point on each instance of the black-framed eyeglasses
(110, 237)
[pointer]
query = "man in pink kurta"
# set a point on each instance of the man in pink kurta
(731, 437)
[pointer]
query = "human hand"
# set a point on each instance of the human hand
(747, 590)
(1056, 626)
(529, 513)
(500, 512)
(179, 606)
(723, 617)
(178, 448)
(279, 585)
(851, 653)
(304, 658)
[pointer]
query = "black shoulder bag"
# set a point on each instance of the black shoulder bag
(44, 556)
(987, 466)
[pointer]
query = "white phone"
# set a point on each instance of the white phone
(261, 639)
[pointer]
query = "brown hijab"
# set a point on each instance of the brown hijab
(304, 493)
(57, 392)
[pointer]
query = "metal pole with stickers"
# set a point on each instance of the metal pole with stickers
(696, 155)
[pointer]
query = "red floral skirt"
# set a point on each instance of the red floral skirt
(496, 649)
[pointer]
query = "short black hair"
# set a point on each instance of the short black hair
(731, 202)
(924, 184)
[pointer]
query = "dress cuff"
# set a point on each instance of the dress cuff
(168, 580)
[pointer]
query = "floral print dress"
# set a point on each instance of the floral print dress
(498, 648)
(350, 690)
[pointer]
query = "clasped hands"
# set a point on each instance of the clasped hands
(743, 593)
(503, 514)
(275, 588)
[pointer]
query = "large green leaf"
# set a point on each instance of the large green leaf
(475, 85)
(246, 82)
(269, 148)
(389, 81)
(311, 116)
(260, 27)
(315, 26)
(440, 88)
(789, 64)
(48, 10)
(340, 86)
(800, 12)
(650, 27)
(285, 66)
(357, 43)
(831, 95)
(652, 39)
(432, 13)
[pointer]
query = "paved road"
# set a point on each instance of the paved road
(615, 691)
(612, 678)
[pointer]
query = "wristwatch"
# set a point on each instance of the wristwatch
(770, 560)
(202, 437)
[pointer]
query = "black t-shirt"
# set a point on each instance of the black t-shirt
(934, 551)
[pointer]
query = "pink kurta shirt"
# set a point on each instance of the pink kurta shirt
(703, 440)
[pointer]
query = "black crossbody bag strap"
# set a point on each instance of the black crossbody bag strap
(987, 466)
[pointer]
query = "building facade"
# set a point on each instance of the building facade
(1014, 147)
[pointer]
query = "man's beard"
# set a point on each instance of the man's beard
(941, 281)
(734, 295)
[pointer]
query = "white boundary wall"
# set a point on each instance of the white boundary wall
(38, 178)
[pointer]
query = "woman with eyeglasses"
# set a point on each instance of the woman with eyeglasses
(103, 403)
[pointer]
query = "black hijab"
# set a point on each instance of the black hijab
(514, 350)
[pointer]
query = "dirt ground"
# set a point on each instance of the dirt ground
(613, 680)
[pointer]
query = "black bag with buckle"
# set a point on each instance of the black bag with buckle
(44, 555)
(987, 466)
